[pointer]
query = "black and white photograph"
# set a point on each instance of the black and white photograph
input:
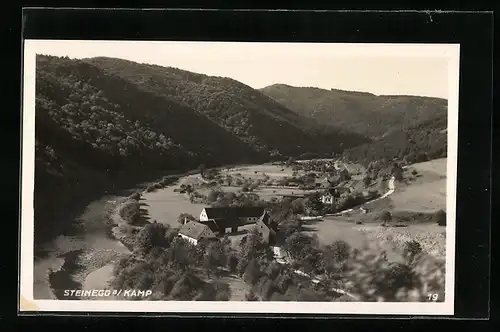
(170, 176)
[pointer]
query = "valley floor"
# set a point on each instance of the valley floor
(424, 193)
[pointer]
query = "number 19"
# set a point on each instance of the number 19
(433, 296)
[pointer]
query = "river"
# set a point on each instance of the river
(87, 246)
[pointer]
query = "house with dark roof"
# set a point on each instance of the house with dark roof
(226, 219)
(196, 232)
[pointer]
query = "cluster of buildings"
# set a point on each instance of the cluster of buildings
(216, 222)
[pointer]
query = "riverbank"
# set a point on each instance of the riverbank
(86, 257)
(71, 258)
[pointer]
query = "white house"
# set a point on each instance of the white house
(194, 232)
(327, 198)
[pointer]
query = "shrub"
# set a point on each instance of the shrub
(150, 236)
(252, 272)
(385, 217)
(186, 286)
(135, 196)
(212, 196)
(306, 295)
(185, 217)
(371, 277)
(253, 186)
(366, 181)
(267, 288)
(241, 266)
(440, 218)
(250, 296)
(130, 211)
(126, 229)
(233, 263)
(411, 249)
(222, 291)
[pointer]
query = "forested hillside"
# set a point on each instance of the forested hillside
(101, 123)
(359, 112)
(246, 113)
(424, 141)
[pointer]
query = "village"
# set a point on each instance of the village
(327, 181)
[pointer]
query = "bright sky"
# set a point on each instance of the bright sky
(387, 69)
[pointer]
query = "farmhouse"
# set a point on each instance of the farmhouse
(196, 232)
(267, 231)
(226, 219)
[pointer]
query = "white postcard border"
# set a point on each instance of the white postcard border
(29, 304)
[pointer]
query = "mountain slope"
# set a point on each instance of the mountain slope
(359, 112)
(425, 141)
(242, 111)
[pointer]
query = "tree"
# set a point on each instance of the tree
(313, 203)
(298, 206)
(150, 236)
(253, 247)
(233, 263)
(367, 180)
(201, 169)
(398, 174)
(179, 255)
(210, 262)
(386, 217)
(440, 217)
(213, 195)
(253, 186)
(290, 225)
(184, 218)
(297, 245)
(411, 250)
(340, 250)
(252, 272)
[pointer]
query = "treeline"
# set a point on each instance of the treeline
(425, 141)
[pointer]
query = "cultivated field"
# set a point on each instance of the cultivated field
(165, 205)
(431, 237)
(258, 171)
(267, 193)
(427, 192)
(331, 229)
